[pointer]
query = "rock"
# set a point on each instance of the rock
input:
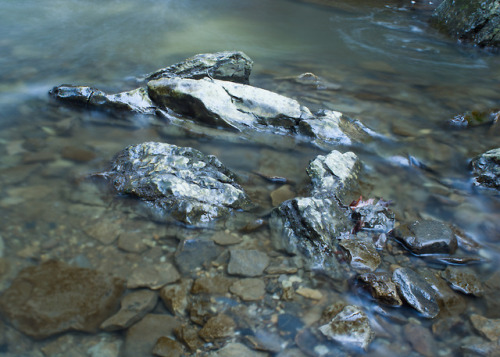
(486, 169)
(289, 324)
(309, 293)
(382, 287)
(183, 182)
(228, 105)
(489, 328)
(189, 336)
(464, 280)
(166, 347)
(104, 230)
(416, 292)
(362, 253)
(237, 349)
(265, 340)
(350, 326)
(142, 337)
(481, 348)
(420, 339)
(448, 300)
(175, 297)
(132, 242)
(213, 285)
(373, 217)
(475, 118)
(134, 307)
(427, 237)
(53, 297)
(247, 262)
(249, 289)
(217, 327)
(470, 21)
(234, 66)
(77, 154)
(136, 100)
(281, 194)
(2, 247)
(153, 277)
(309, 226)
(226, 238)
(334, 175)
(192, 254)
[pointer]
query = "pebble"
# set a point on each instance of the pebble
(464, 280)
(249, 289)
(489, 328)
(226, 238)
(132, 242)
(216, 285)
(363, 254)
(153, 277)
(420, 339)
(237, 349)
(382, 287)
(166, 347)
(427, 237)
(282, 194)
(217, 327)
(188, 335)
(175, 297)
(247, 262)
(104, 230)
(309, 293)
(194, 253)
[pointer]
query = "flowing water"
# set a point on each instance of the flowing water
(381, 61)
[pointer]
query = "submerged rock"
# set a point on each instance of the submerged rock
(489, 328)
(486, 169)
(470, 20)
(427, 237)
(350, 326)
(382, 287)
(217, 327)
(182, 182)
(54, 297)
(416, 291)
(475, 118)
(247, 262)
(362, 253)
(234, 66)
(464, 280)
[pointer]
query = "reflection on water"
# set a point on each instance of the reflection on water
(383, 65)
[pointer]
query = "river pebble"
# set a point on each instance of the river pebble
(237, 349)
(167, 347)
(218, 327)
(153, 277)
(249, 289)
(176, 297)
(247, 262)
(427, 237)
(464, 280)
(194, 253)
(489, 328)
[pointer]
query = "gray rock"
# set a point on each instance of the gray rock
(350, 326)
(182, 182)
(247, 262)
(249, 289)
(475, 118)
(416, 291)
(192, 254)
(234, 66)
(427, 237)
(382, 287)
(134, 307)
(470, 21)
(132, 242)
(486, 169)
(53, 298)
(175, 297)
(449, 301)
(362, 253)
(375, 217)
(464, 280)
(153, 277)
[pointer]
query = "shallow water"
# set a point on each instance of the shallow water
(384, 64)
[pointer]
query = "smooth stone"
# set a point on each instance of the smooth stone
(282, 194)
(134, 307)
(363, 254)
(142, 337)
(449, 301)
(427, 237)
(486, 169)
(176, 297)
(217, 327)
(382, 288)
(350, 326)
(237, 349)
(309, 293)
(416, 292)
(153, 277)
(166, 347)
(53, 297)
(489, 328)
(250, 289)
(216, 285)
(464, 280)
(102, 230)
(226, 238)
(247, 262)
(193, 253)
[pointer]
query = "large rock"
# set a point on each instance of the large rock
(427, 237)
(470, 20)
(486, 169)
(54, 297)
(232, 66)
(183, 182)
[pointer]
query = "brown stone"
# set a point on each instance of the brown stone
(166, 347)
(189, 336)
(489, 328)
(420, 339)
(218, 285)
(54, 297)
(175, 297)
(217, 327)
(249, 289)
(153, 277)
(226, 238)
(282, 194)
(77, 154)
(132, 242)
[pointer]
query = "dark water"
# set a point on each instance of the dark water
(385, 65)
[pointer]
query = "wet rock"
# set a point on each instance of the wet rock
(309, 293)
(194, 253)
(136, 100)
(237, 349)
(202, 310)
(52, 298)
(175, 297)
(217, 327)
(308, 226)
(350, 326)
(281, 194)
(264, 340)
(420, 339)
(250, 289)
(362, 253)
(382, 287)
(489, 328)
(427, 237)
(134, 307)
(480, 348)
(334, 175)
(226, 238)
(475, 118)
(464, 280)
(183, 182)
(470, 21)
(188, 335)
(142, 337)
(375, 217)
(166, 347)
(448, 300)
(213, 285)
(132, 242)
(314, 346)
(247, 262)
(104, 230)
(153, 277)
(486, 169)
(234, 66)
(416, 292)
